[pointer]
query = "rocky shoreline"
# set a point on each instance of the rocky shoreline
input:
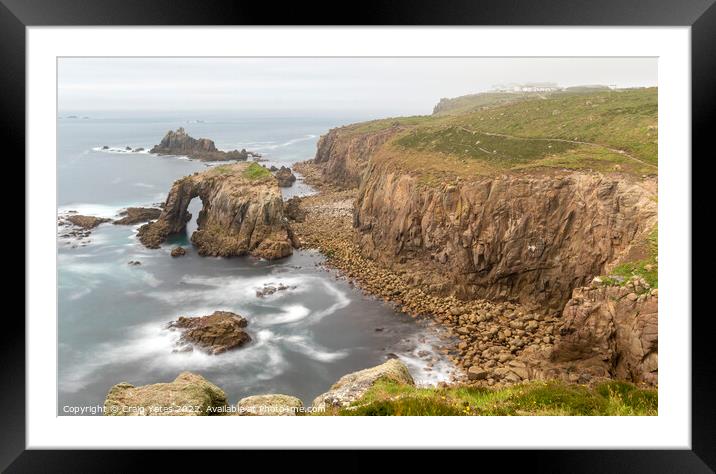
(492, 343)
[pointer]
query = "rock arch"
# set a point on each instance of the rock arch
(239, 215)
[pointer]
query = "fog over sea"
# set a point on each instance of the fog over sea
(112, 315)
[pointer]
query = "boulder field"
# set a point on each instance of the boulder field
(242, 214)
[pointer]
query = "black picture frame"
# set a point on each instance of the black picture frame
(700, 15)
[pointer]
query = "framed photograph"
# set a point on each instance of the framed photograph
(420, 227)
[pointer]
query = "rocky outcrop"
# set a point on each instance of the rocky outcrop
(178, 252)
(293, 210)
(285, 177)
(343, 154)
(269, 405)
(136, 215)
(350, 388)
(214, 334)
(527, 237)
(241, 214)
(180, 143)
(610, 331)
(86, 222)
(188, 395)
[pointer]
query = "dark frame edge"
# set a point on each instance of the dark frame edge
(12, 133)
(703, 113)
(702, 458)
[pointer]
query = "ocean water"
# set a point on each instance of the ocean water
(112, 316)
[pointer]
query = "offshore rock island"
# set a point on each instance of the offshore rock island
(180, 143)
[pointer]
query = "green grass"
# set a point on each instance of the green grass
(383, 124)
(489, 134)
(255, 172)
(468, 103)
(648, 268)
(625, 119)
(498, 151)
(534, 398)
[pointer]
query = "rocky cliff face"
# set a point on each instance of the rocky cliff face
(240, 214)
(611, 330)
(343, 155)
(530, 237)
(180, 143)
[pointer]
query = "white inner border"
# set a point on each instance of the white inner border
(670, 429)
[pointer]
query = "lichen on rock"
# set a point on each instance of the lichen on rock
(269, 405)
(188, 395)
(351, 387)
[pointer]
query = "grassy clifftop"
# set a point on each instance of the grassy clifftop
(483, 134)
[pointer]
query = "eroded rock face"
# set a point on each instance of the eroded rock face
(269, 405)
(188, 395)
(180, 143)
(293, 210)
(135, 215)
(352, 387)
(214, 334)
(285, 177)
(527, 237)
(240, 215)
(344, 155)
(612, 331)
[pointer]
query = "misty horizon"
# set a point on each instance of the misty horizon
(343, 86)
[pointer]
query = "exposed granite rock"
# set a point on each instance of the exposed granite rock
(188, 395)
(285, 177)
(269, 289)
(292, 209)
(86, 222)
(352, 387)
(269, 405)
(527, 237)
(178, 252)
(343, 153)
(135, 215)
(240, 214)
(214, 334)
(180, 143)
(611, 331)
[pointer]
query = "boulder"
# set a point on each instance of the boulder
(293, 210)
(285, 177)
(188, 395)
(476, 373)
(213, 334)
(351, 387)
(178, 252)
(269, 405)
(135, 215)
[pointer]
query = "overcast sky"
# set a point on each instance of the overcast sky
(389, 85)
